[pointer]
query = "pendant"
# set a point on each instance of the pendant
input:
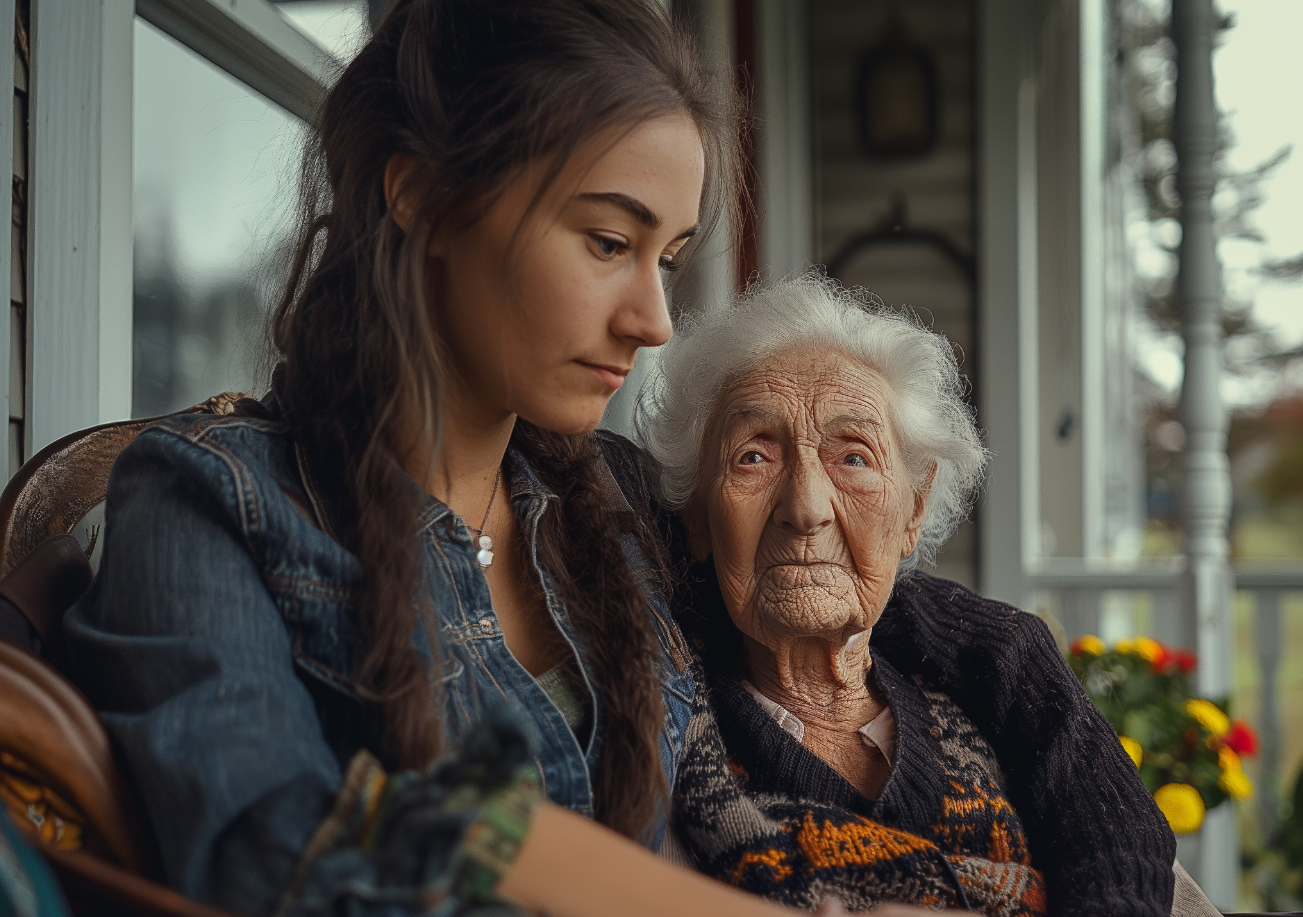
(485, 555)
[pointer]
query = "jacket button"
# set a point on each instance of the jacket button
(935, 732)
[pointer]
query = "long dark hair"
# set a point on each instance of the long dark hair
(473, 91)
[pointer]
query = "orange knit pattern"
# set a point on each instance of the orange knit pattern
(858, 843)
(966, 849)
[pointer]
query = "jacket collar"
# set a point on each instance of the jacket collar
(329, 508)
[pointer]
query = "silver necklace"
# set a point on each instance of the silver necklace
(485, 554)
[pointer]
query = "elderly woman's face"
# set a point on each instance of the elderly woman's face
(805, 502)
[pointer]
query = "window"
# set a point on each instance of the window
(215, 169)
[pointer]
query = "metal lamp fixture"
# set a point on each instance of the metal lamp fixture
(897, 96)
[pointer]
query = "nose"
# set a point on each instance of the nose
(644, 315)
(805, 502)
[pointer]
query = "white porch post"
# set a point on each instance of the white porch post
(79, 324)
(1007, 296)
(784, 137)
(1206, 488)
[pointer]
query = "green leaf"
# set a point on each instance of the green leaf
(1137, 724)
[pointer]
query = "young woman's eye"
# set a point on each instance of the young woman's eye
(669, 265)
(856, 460)
(751, 457)
(606, 246)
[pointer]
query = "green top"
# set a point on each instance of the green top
(565, 686)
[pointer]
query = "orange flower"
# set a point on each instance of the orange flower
(1149, 650)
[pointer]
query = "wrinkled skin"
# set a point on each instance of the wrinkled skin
(807, 507)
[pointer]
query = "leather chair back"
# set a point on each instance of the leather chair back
(58, 776)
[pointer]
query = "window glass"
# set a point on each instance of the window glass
(215, 175)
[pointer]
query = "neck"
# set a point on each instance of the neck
(471, 446)
(823, 683)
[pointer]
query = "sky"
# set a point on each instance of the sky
(214, 161)
(215, 179)
(1257, 73)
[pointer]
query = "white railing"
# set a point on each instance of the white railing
(1113, 603)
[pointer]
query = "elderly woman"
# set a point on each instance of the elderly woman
(871, 733)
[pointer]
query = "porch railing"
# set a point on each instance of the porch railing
(1115, 603)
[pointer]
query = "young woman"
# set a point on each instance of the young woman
(350, 640)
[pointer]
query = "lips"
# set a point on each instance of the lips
(612, 376)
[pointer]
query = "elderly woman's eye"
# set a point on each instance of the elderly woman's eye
(856, 459)
(751, 457)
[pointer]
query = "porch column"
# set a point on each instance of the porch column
(1007, 295)
(1206, 487)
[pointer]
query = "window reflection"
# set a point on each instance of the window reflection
(214, 179)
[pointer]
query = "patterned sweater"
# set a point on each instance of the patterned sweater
(755, 808)
(1094, 831)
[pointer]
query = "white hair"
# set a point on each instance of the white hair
(710, 354)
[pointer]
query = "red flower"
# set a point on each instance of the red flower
(1164, 658)
(1241, 739)
(1186, 661)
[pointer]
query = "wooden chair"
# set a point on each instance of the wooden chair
(58, 776)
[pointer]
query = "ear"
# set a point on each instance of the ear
(697, 522)
(397, 171)
(915, 525)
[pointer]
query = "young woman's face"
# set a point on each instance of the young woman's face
(544, 319)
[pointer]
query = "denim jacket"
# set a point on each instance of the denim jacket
(217, 642)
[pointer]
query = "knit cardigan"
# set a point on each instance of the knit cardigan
(1093, 830)
(755, 808)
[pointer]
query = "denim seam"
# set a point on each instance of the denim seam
(310, 487)
(242, 479)
(196, 435)
(310, 587)
(433, 541)
(559, 613)
(323, 672)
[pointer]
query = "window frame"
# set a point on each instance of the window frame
(78, 326)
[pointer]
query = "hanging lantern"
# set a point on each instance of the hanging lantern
(897, 96)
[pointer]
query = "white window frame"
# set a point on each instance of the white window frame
(79, 319)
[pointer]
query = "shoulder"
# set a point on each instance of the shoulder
(921, 595)
(930, 618)
(236, 468)
(252, 439)
(631, 467)
(240, 444)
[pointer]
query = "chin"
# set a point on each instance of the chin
(581, 419)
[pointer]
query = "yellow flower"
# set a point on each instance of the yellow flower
(1132, 748)
(1182, 805)
(1148, 649)
(1228, 760)
(1236, 784)
(1125, 646)
(1209, 715)
(1089, 643)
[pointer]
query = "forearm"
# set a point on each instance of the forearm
(569, 866)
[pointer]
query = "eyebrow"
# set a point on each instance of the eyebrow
(853, 420)
(766, 416)
(750, 413)
(635, 208)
